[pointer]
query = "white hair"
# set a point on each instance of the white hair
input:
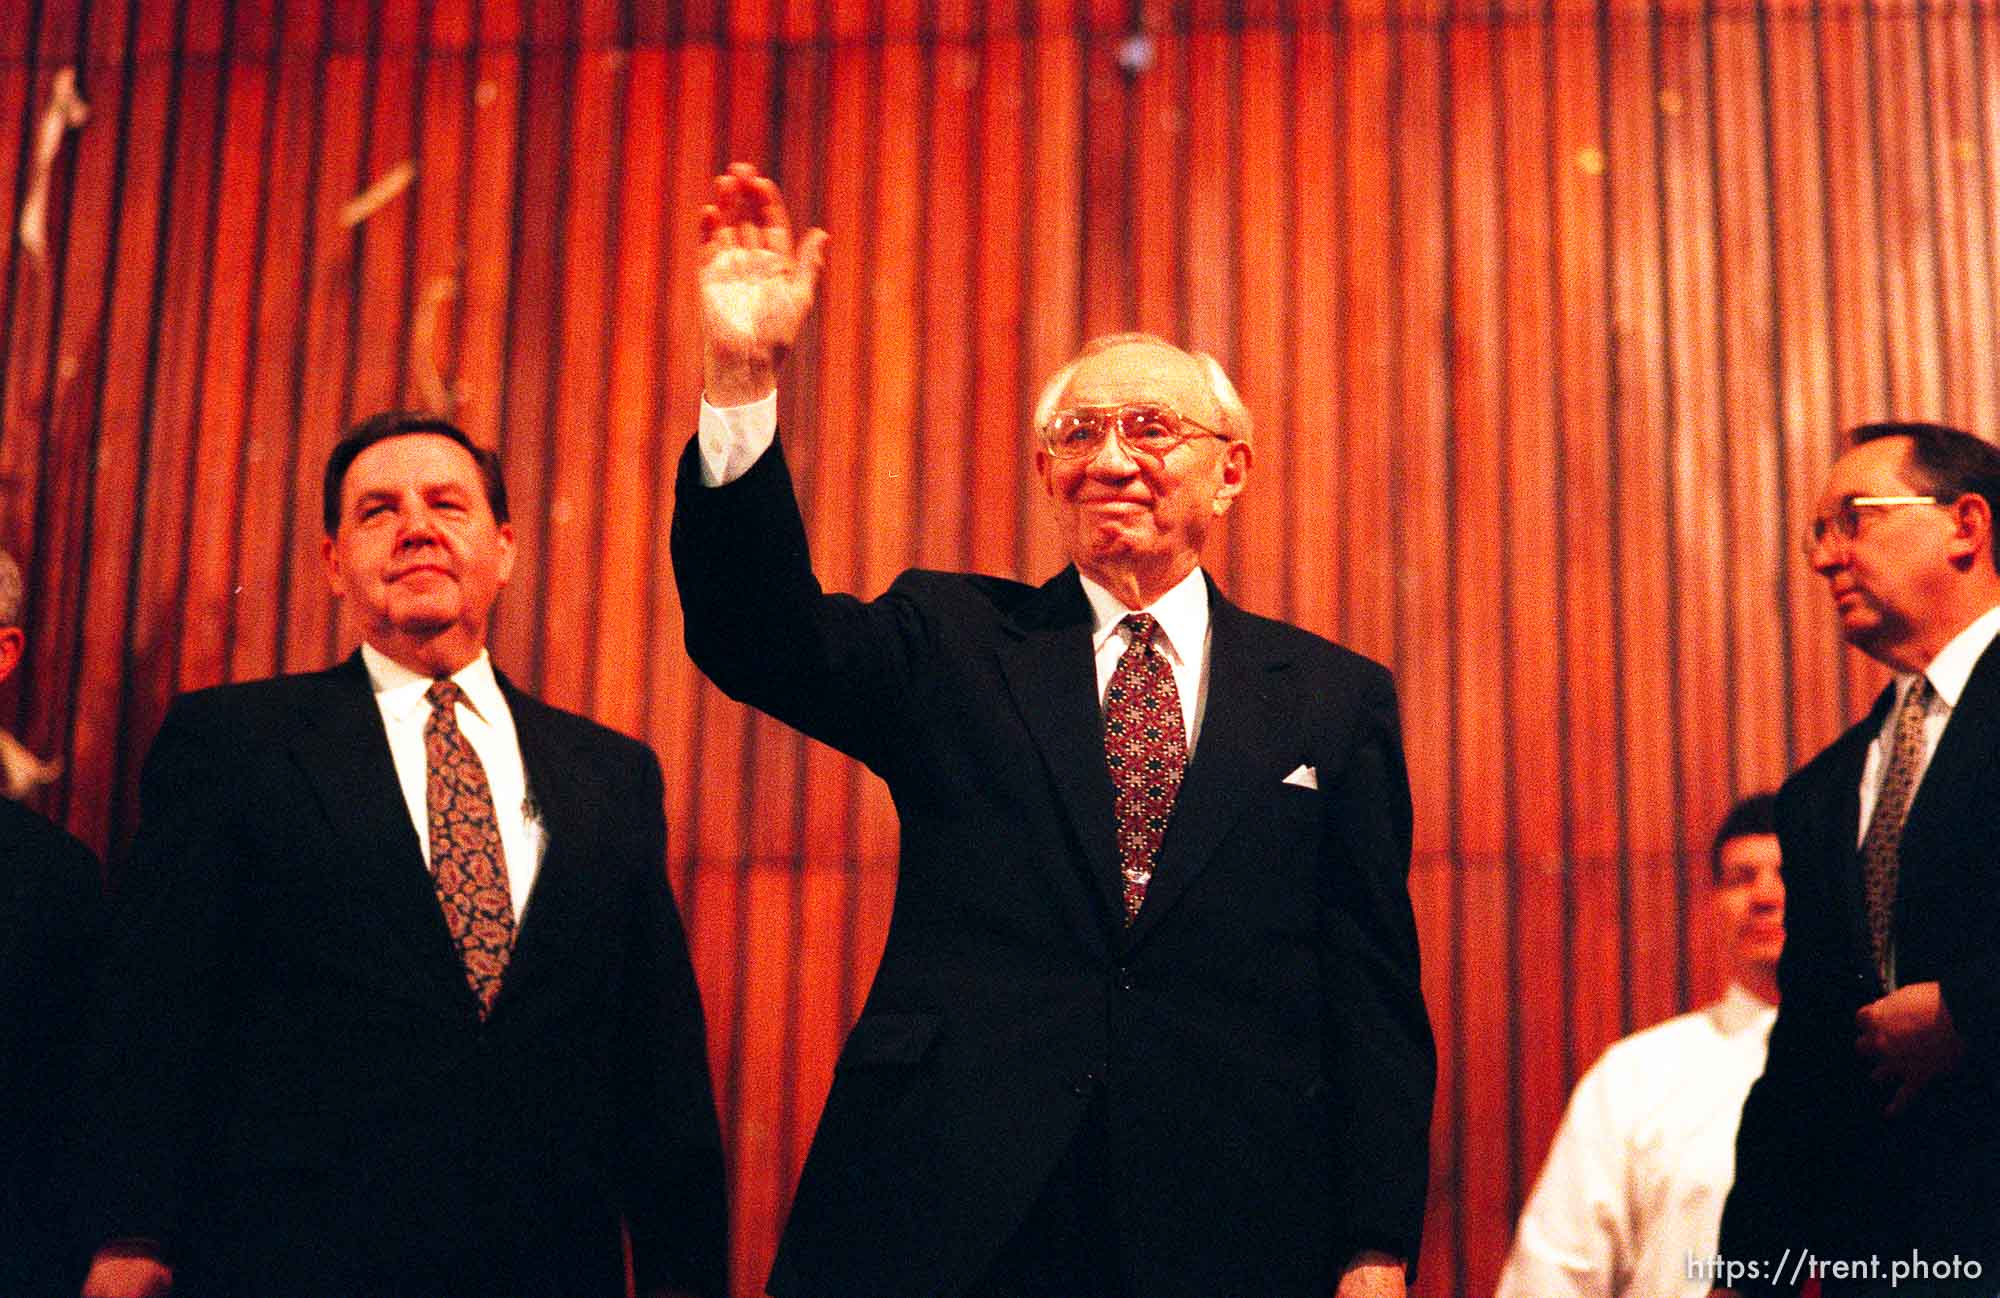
(1236, 424)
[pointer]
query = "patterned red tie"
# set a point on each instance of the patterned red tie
(1881, 858)
(468, 864)
(1145, 745)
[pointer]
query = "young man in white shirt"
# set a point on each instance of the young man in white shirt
(1634, 1183)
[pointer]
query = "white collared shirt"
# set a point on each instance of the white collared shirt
(1184, 638)
(488, 725)
(1631, 1195)
(1948, 673)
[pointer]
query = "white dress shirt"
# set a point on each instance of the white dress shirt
(732, 438)
(1635, 1181)
(1184, 638)
(488, 725)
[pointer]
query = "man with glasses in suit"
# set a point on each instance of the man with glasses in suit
(1873, 1136)
(1148, 1020)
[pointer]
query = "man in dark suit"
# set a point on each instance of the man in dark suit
(50, 902)
(397, 1000)
(1148, 1019)
(1874, 1134)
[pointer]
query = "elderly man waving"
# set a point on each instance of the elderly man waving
(1148, 1019)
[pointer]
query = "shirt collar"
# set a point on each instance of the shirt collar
(1182, 613)
(1741, 1009)
(400, 691)
(1952, 668)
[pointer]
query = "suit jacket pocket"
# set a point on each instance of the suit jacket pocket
(888, 1040)
(1290, 801)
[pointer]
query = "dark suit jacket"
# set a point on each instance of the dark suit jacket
(291, 1087)
(1258, 1036)
(1817, 1164)
(50, 903)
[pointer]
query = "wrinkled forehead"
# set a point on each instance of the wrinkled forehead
(410, 460)
(1877, 468)
(1140, 371)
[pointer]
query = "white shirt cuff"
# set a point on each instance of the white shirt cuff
(734, 437)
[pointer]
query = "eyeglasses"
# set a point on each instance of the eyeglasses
(1149, 430)
(1845, 520)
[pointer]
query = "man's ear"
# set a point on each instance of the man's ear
(1236, 458)
(506, 531)
(329, 557)
(1971, 529)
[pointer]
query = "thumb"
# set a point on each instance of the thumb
(811, 259)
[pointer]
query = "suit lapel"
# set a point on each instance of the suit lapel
(1049, 670)
(567, 797)
(344, 751)
(1960, 782)
(1248, 739)
(1840, 814)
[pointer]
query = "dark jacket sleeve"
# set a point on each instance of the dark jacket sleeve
(54, 923)
(1778, 1145)
(1381, 1060)
(672, 1149)
(759, 626)
(155, 1003)
(1971, 994)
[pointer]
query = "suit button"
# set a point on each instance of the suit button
(1087, 1083)
(1125, 980)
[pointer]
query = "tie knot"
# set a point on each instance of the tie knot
(444, 695)
(1144, 627)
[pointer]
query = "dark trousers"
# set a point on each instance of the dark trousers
(1068, 1245)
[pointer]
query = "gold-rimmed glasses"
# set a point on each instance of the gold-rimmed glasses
(1844, 520)
(1142, 428)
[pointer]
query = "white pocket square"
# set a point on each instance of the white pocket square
(1306, 777)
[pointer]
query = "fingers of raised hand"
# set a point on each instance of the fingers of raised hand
(717, 234)
(719, 230)
(754, 205)
(769, 211)
(733, 199)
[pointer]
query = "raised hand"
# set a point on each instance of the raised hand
(756, 285)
